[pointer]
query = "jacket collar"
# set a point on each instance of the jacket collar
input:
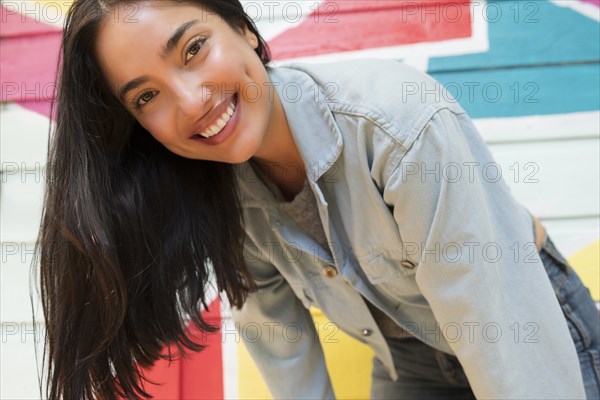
(312, 125)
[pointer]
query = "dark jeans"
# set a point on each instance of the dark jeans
(427, 373)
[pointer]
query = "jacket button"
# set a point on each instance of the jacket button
(366, 332)
(408, 264)
(329, 272)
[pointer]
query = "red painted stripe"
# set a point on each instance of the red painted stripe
(202, 374)
(167, 378)
(198, 377)
(340, 26)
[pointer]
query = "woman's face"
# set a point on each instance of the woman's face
(185, 74)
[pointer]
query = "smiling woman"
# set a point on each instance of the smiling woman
(183, 73)
(181, 158)
(121, 256)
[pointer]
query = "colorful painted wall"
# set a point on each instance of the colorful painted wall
(527, 72)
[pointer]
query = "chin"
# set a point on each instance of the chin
(240, 157)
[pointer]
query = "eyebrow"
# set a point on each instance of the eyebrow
(174, 39)
(167, 49)
(132, 85)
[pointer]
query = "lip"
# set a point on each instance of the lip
(227, 131)
(212, 117)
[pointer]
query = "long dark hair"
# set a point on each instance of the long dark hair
(129, 230)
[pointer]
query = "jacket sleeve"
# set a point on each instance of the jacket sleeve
(495, 305)
(280, 335)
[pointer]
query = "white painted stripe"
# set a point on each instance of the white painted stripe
(572, 235)
(563, 164)
(23, 142)
(21, 361)
(229, 354)
(16, 293)
(24, 138)
(554, 179)
(21, 206)
(211, 290)
(272, 18)
(589, 10)
(540, 127)
(412, 51)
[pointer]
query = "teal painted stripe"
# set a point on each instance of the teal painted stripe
(529, 33)
(525, 91)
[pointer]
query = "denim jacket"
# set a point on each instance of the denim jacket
(419, 222)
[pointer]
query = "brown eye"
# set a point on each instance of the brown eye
(193, 49)
(143, 99)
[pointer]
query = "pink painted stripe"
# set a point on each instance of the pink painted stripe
(40, 107)
(29, 65)
(18, 20)
(28, 59)
(592, 2)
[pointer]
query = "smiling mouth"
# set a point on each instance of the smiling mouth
(220, 123)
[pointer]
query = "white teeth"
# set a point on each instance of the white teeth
(221, 122)
(216, 128)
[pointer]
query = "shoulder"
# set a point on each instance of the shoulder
(397, 97)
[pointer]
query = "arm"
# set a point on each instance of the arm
(525, 350)
(292, 369)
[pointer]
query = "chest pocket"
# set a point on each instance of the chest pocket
(383, 265)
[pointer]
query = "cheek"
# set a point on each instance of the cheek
(228, 64)
(159, 126)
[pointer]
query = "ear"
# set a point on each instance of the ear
(250, 37)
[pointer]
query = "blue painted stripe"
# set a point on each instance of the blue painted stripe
(529, 33)
(525, 91)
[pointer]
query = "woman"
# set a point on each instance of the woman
(178, 148)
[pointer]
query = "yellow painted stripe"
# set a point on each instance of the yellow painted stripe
(250, 384)
(348, 362)
(586, 262)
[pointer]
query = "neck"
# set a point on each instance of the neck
(279, 157)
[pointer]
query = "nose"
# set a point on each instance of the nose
(194, 101)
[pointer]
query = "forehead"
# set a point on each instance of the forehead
(136, 22)
(142, 13)
(131, 38)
